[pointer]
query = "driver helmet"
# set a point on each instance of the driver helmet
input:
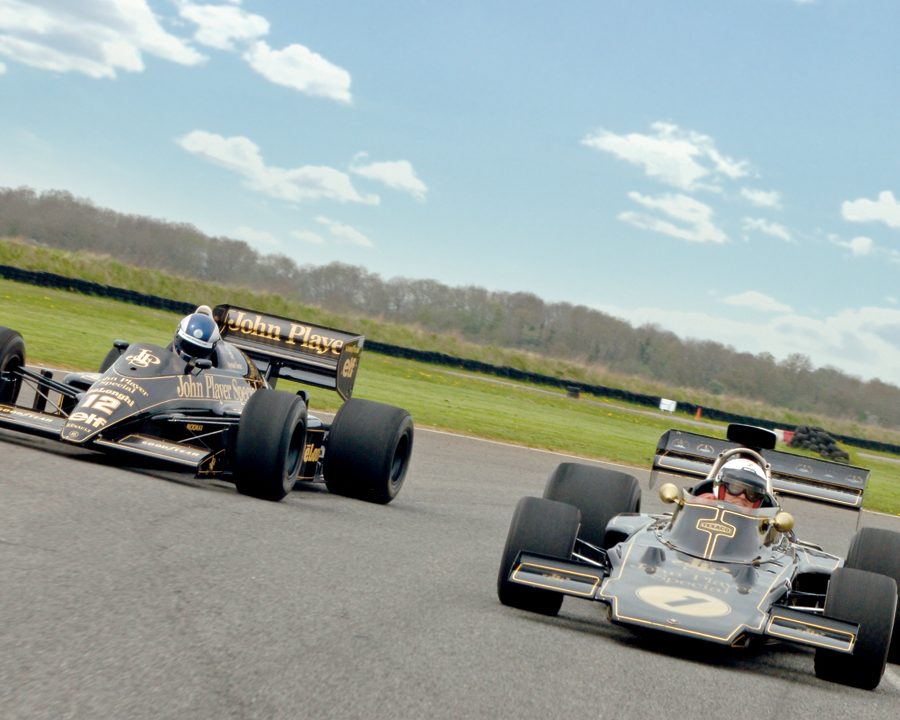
(742, 476)
(196, 337)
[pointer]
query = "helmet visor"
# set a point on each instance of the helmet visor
(739, 488)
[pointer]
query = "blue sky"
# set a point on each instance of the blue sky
(727, 169)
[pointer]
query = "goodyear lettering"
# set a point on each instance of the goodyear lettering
(169, 448)
(25, 414)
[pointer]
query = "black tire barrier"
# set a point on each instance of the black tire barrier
(46, 279)
(86, 287)
(819, 441)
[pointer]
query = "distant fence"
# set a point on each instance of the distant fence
(46, 279)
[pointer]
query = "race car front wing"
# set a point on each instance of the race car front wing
(585, 581)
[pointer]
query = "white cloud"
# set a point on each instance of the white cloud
(241, 155)
(864, 342)
(762, 198)
(695, 216)
(671, 155)
(396, 174)
(886, 209)
(860, 246)
(257, 238)
(757, 301)
(345, 234)
(772, 229)
(219, 26)
(308, 236)
(300, 68)
(97, 39)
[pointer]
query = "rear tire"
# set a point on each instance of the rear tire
(600, 494)
(878, 550)
(544, 527)
(367, 451)
(12, 358)
(870, 600)
(271, 438)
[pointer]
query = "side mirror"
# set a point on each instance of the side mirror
(670, 493)
(121, 344)
(203, 363)
(783, 522)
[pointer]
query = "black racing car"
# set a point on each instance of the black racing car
(711, 569)
(220, 416)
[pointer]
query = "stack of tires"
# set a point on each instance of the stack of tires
(819, 441)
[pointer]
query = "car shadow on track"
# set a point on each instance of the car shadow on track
(147, 467)
(770, 659)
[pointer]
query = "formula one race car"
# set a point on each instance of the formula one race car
(207, 404)
(725, 566)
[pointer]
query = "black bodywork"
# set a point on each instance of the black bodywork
(711, 569)
(150, 402)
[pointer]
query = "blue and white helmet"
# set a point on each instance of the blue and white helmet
(196, 337)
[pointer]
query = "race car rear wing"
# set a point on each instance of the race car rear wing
(294, 350)
(691, 454)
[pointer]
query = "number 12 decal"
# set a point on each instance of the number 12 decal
(101, 403)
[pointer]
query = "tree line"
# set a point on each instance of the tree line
(518, 320)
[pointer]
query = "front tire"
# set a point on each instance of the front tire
(271, 437)
(868, 599)
(544, 527)
(12, 358)
(367, 451)
(599, 493)
(878, 550)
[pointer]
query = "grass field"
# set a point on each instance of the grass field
(67, 330)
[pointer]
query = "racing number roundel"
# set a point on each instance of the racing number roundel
(683, 601)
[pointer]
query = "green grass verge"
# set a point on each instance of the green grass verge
(106, 270)
(64, 329)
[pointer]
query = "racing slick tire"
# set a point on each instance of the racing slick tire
(544, 527)
(271, 437)
(367, 451)
(12, 357)
(878, 550)
(599, 493)
(869, 599)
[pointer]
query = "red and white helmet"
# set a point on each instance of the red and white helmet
(741, 475)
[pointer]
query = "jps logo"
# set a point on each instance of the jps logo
(143, 359)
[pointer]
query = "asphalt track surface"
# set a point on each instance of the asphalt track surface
(138, 593)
